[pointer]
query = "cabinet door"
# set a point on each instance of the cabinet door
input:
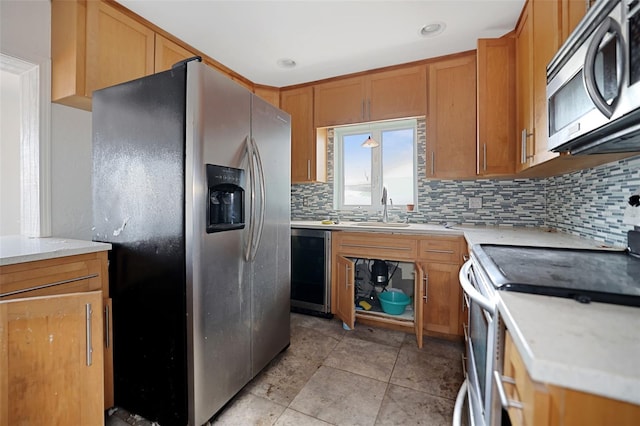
(167, 53)
(108, 352)
(418, 302)
(299, 104)
(119, 48)
(524, 89)
(496, 106)
(344, 289)
(51, 360)
(442, 298)
(339, 102)
(546, 38)
(451, 118)
(398, 93)
(271, 95)
(572, 12)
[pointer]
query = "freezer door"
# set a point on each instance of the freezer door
(218, 298)
(271, 265)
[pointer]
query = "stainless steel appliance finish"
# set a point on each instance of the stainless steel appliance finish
(593, 83)
(311, 271)
(199, 310)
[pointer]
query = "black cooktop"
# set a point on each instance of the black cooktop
(584, 275)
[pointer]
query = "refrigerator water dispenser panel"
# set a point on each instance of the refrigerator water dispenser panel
(225, 209)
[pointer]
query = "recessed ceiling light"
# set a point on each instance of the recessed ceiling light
(286, 63)
(432, 29)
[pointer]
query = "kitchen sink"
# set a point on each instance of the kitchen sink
(383, 225)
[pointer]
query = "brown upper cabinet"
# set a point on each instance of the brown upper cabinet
(383, 95)
(571, 12)
(451, 120)
(269, 94)
(541, 29)
(94, 45)
(168, 52)
(524, 88)
(496, 106)
(308, 154)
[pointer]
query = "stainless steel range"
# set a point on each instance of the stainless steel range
(583, 275)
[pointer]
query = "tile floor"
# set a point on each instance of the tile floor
(329, 376)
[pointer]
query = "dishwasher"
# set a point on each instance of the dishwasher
(311, 272)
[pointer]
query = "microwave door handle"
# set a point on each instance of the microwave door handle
(608, 25)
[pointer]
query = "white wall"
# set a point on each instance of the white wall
(71, 157)
(9, 153)
(25, 32)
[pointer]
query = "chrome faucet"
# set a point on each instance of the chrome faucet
(385, 215)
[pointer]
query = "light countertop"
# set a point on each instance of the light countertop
(592, 347)
(19, 249)
(473, 234)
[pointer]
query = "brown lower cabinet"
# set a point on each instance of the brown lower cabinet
(548, 405)
(51, 360)
(56, 341)
(436, 293)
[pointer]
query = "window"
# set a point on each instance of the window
(361, 173)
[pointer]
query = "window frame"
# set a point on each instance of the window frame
(375, 129)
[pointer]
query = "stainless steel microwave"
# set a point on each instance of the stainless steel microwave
(593, 83)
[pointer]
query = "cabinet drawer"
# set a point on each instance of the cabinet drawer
(49, 277)
(376, 246)
(439, 249)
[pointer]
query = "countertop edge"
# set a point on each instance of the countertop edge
(16, 249)
(575, 377)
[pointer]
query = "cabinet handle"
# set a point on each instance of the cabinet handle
(88, 313)
(484, 156)
(433, 163)
(425, 288)
(346, 277)
(465, 330)
(523, 146)
(439, 251)
(362, 110)
(309, 169)
(39, 287)
(465, 257)
(107, 326)
(506, 403)
(376, 247)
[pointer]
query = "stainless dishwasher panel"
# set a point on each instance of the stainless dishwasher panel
(311, 271)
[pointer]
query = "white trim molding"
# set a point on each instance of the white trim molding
(35, 143)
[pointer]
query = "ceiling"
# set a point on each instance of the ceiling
(325, 38)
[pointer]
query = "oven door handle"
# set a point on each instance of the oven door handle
(457, 408)
(474, 294)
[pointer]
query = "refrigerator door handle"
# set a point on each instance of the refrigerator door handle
(252, 201)
(263, 198)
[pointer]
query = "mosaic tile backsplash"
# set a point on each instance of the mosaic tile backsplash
(588, 203)
(591, 203)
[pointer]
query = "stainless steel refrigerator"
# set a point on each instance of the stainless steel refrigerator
(191, 186)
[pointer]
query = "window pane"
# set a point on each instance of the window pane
(357, 171)
(397, 165)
